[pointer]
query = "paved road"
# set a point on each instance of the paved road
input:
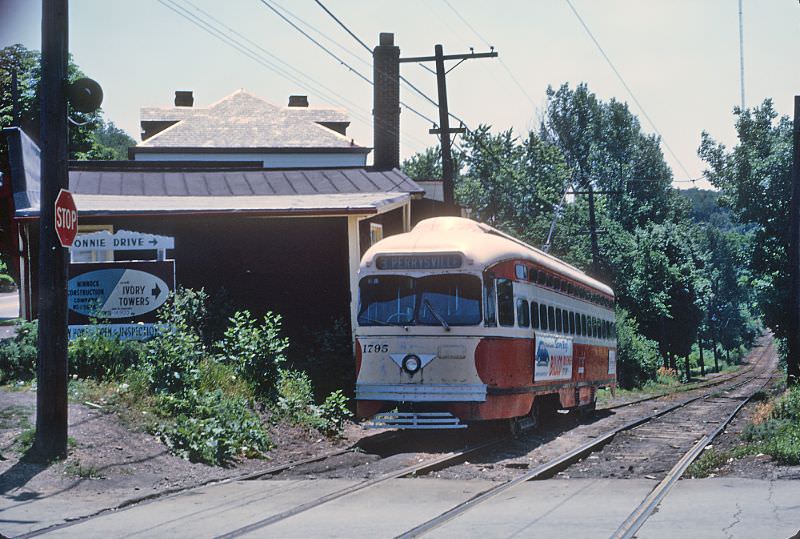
(584, 508)
(9, 305)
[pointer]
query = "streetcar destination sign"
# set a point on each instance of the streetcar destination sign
(419, 262)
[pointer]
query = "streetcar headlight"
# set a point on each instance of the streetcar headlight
(411, 363)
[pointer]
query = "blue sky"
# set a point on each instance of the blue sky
(679, 57)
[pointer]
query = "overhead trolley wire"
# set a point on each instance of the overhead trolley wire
(332, 96)
(502, 63)
(336, 57)
(625, 84)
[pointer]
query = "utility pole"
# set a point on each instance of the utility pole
(51, 369)
(793, 356)
(444, 115)
(593, 234)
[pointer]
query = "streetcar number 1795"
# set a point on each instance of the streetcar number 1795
(375, 348)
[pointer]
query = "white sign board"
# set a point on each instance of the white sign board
(553, 358)
(612, 362)
(123, 332)
(122, 240)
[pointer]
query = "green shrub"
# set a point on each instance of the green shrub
(97, 356)
(255, 350)
(296, 404)
(186, 307)
(334, 412)
(295, 396)
(213, 428)
(171, 360)
(637, 357)
(780, 435)
(18, 355)
(7, 283)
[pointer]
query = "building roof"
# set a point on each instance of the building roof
(263, 205)
(240, 183)
(481, 244)
(242, 120)
(185, 188)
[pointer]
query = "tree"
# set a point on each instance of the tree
(755, 178)
(89, 136)
(426, 165)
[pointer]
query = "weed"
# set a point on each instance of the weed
(76, 469)
(710, 460)
(18, 355)
(15, 416)
(25, 440)
(255, 350)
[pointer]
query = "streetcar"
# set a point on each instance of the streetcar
(460, 323)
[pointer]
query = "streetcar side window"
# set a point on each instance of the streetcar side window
(534, 315)
(594, 327)
(523, 315)
(551, 317)
(489, 311)
(613, 330)
(572, 322)
(541, 277)
(505, 302)
(521, 272)
(583, 325)
(543, 316)
(565, 319)
(559, 325)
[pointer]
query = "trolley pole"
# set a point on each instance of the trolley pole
(51, 369)
(793, 357)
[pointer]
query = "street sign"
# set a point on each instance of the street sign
(66, 218)
(122, 292)
(122, 240)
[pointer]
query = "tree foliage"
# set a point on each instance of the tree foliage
(89, 137)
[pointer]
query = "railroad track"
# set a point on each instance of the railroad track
(436, 463)
(637, 518)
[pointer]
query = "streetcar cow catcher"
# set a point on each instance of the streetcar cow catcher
(459, 322)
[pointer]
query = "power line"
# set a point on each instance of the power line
(625, 84)
(502, 63)
(337, 58)
(253, 55)
(366, 47)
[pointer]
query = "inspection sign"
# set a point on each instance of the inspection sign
(122, 292)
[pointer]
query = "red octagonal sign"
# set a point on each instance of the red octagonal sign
(66, 218)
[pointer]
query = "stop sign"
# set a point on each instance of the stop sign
(66, 218)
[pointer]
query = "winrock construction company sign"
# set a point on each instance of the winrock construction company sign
(124, 296)
(553, 358)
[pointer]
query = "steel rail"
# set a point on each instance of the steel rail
(639, 516)
(423, 467)
(554, 465)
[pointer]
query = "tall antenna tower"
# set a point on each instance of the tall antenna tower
(741, 52)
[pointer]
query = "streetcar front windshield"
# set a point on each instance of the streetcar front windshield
(393, 300)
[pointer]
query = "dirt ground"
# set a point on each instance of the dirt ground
(109, 461)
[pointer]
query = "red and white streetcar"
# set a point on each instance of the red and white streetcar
(459, 322)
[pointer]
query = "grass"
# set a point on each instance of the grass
(76, 469)
(25, 440)
(712, 460)
(15, 416)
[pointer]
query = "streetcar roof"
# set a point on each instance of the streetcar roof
(481, 243)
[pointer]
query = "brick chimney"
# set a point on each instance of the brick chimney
(298, 101)
(386, 103)
(184, 98)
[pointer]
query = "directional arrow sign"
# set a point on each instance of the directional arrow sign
(122, 240)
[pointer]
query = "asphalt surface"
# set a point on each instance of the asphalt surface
(586, 508)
